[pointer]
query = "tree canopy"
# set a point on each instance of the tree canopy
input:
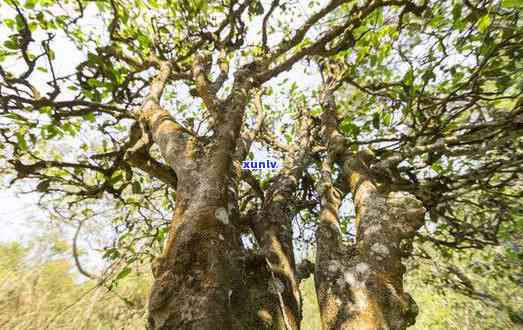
(430, 91)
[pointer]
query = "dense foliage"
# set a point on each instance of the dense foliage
(433, 88)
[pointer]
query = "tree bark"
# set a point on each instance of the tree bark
(360, 285)
(272, 227)
(198, 276)
(205, 279)
(273, 230)
(363, 287)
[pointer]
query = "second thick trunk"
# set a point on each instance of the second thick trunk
(361, 287)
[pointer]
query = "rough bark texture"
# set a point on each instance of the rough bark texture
(272, 226)
(363, 288)
(204, 278)
(360, 286)
(273, 229)
(198, 278)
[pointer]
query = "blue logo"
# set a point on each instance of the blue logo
(262, 164)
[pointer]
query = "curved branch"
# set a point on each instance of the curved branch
(76, 256)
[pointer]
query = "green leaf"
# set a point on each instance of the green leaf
(43, 186)
(255, 8)
(19, 23)
(348, 127)
(46, 109)
(512, 4)
(111, 253)
(376, 120)
(22, 143)
(33, 26)
(437, 167)
(69, 128)
(316, 111)
(123, 273)
(11, 44)
(408, 78)
(9, 22)
(30, 4)
(154, 4)
(428, 75)
(117, 176)
(456, 11)
(387, 119)
(484, 23)
(90, 117)
(136, 187)
(265, 184)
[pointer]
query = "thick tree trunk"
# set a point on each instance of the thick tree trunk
(363, 289)
(204, 278)
(273, 230)
(198, 276)
(360, 286)
(272, 226)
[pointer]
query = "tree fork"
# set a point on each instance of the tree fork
(361, 286)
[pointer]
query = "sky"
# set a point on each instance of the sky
(15, 216)
(18, 209)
